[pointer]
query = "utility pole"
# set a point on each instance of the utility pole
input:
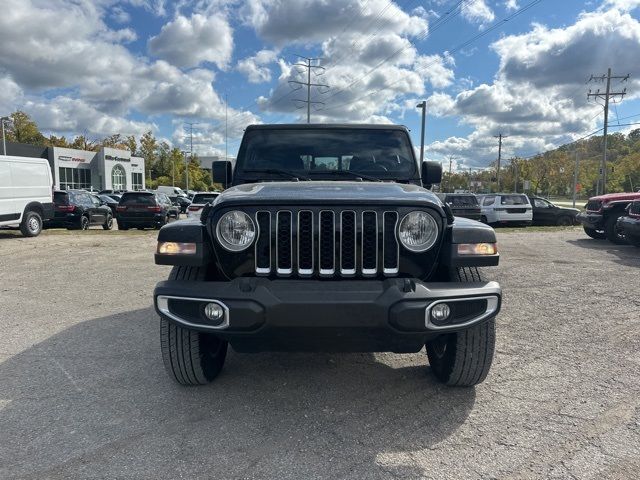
(308, 64)
(226, 127)
(499, 137)
(190, 125)
(423, 106)
(514, 162)
(451, 157)
(605, 96)
(575, 179)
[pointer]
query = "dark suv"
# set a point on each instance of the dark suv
(328, 240)
(629, 223)
(145, 209)
(462, 204)
(78, 210)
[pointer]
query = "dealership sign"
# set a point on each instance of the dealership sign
(116, 158)
(66, 158)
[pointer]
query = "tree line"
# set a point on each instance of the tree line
(551, 173)
(164, 164)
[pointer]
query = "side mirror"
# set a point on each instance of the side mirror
(431, 173)
(221, 172)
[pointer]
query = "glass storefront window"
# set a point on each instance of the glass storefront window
(118, 178)
(72, 178)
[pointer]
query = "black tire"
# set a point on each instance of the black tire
(122, 226)
(31, 225)
(108, 223)
(463, 359)
(611, 230)
(162, 223)
(593, 233)
(564, 221)
(483, 219)
(190, 357)
(84, 223)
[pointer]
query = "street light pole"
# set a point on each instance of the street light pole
(4, 141)
(423, 106)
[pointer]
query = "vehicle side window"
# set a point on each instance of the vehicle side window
(514, 200)
(84, 199)
(489, 201)
(538, 203)
(95, 201)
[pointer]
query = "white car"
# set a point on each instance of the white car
(505, 208)
(26, 193)
(199, 201)
(171, 191)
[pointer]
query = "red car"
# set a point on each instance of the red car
(600, 218)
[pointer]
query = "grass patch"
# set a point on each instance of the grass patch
(574, 228)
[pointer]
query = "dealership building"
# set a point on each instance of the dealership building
(106, 169)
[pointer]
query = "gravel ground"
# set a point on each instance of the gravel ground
(83, 393)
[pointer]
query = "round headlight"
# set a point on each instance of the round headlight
(235, 231)
(418, 231)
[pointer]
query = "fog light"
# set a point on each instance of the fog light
(214, 312)
(440, 312)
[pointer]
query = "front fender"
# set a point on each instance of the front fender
(465, 231)
(185, 231)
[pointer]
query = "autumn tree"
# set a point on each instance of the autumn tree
(23, 130)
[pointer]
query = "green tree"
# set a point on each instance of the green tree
(24, 130)
(81, 142)
(148, 148)
(132, 145)
(54, 141)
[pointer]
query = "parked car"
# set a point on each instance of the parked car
(630, 223)
(546, 213)
(109, 202)
(110, 192)
(26, 188)
(78, 210)
(600, 218)
(181, 202)
(114, 196)
(171, 191)
(506, 209)
(199, 201)
(145, 209)
(462, 204)
(341, 262)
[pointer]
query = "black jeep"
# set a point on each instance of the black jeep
(327, 240)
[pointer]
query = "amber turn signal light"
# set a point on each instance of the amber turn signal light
(477, 249)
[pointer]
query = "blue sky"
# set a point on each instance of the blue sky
(107, 66)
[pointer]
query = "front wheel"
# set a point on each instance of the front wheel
(31, 225)
(613, 232)
(593, 233)
(84, 223)
(463, 359)
(190, 357)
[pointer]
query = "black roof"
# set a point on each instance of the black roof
(316, 126)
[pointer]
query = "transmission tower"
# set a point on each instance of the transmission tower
(606, 95)
(309, 66)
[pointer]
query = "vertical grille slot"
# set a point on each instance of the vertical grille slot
(263, 243)
(348, 243)
(390, 247)
(327, 242)
(284, 245)
(369, 243)
(305, 242)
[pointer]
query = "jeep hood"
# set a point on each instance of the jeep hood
(326, 193)
(612, 197)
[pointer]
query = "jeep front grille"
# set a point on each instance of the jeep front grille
(327, 243)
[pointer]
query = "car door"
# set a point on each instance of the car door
(97, 216)
(544, 212)
(488, 203)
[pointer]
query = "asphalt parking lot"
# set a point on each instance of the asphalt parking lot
(83, 393)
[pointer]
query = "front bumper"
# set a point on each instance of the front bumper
(591, 220)
(310, 315)
(630, 226)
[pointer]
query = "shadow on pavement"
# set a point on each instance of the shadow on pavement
(94, 401)
(627, 254)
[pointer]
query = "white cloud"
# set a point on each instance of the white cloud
(256, 67)
(188, 42)
(477, 11)
(511, 5)
(538, 96)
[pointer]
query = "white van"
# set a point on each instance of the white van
(26, 193)
(171, 191)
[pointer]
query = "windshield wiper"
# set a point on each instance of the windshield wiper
(277, 171)
(346, 172)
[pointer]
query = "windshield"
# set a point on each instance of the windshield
(326, 153)
(462, 200)
(138, 199)
(204, 197)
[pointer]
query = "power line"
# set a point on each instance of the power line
(495, 26)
